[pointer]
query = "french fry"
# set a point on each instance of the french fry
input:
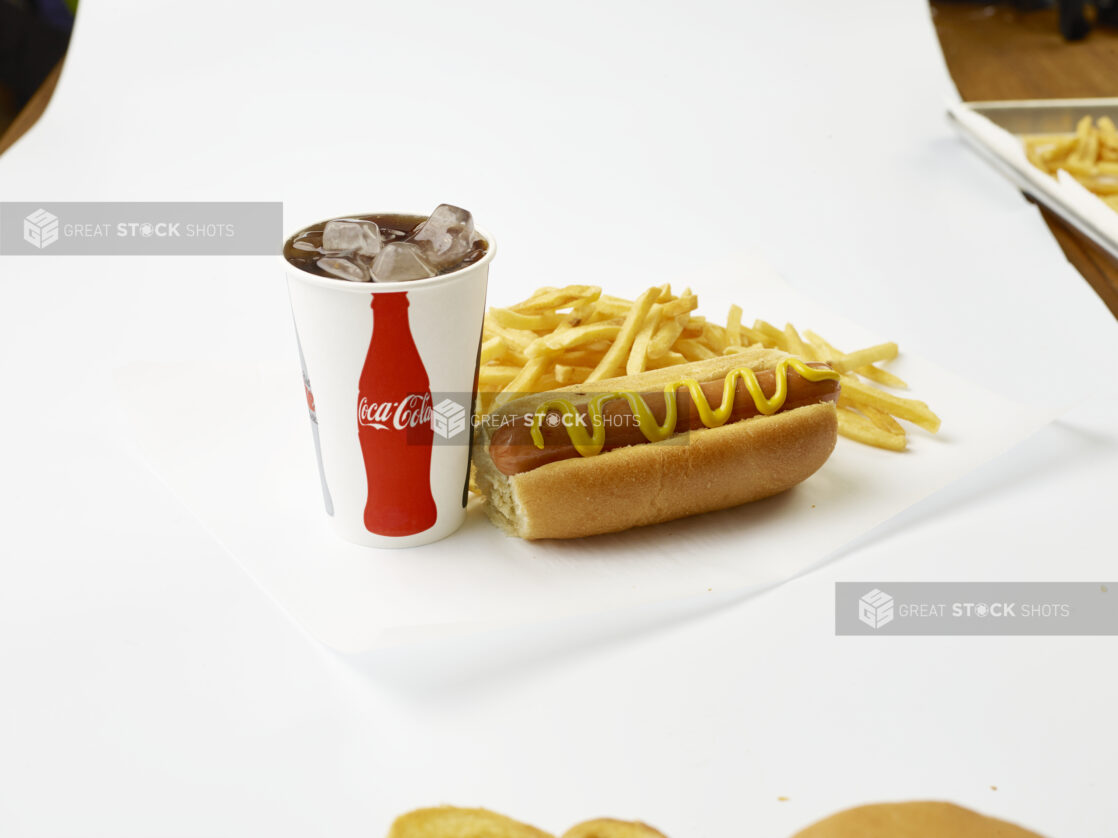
(883, 377)
(514, 356)
(529, 322)
(623, 339)
(1034, 157)
(714, 337)
(1108, 134)
(854, 426)
(529, 378)
(491, 350)
(613, 307)
(879, 376)
(1084, 133)
(751, 336)
(733, 326)
(1100, 187)
(518, 339)
(668, 359)
(770, 335)
(526, 380)
(1081, 170)
(883, 420)
(546, 382)
(539, 300)
(1059, 150)
(638, 355)
(693, 350)
(577, 336)
(580, 357)
(878, 417)
(550, 299)
(666, 336)
(912, 410)
(565, 374)
(1089, 151)
(497, 375)
(599, 313)
(865, 357)
(1043, 140)
(693, 326)
(681, 305)
(794, 341)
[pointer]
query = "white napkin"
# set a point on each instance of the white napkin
(233, 441)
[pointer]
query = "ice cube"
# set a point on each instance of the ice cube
(446, 237)
(303, 244)
(344, 269)
(399, 262)
(351, 236)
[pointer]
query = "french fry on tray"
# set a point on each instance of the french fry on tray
(1090, 155)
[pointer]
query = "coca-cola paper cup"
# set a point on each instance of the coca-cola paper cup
(390, 372)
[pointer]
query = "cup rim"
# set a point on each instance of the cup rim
(384, 287)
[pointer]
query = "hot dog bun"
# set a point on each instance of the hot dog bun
(652, 482)
(455, 822)
(612, 828)
(918, 819)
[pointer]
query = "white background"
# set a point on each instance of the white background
(147, 687)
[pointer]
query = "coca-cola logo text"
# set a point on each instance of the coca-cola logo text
(410, 412)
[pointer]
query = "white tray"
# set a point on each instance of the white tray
(996, 130)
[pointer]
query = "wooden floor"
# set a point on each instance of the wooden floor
(993, 52)
(997, 52)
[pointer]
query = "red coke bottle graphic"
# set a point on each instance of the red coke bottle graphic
(394, 424)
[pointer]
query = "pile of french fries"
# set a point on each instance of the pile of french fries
(1090, 155)
(577, 334)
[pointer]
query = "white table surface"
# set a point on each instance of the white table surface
(148, 688)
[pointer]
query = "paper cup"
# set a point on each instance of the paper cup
(390, 371)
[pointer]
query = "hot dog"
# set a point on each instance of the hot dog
(514, 451)
(656, 446)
